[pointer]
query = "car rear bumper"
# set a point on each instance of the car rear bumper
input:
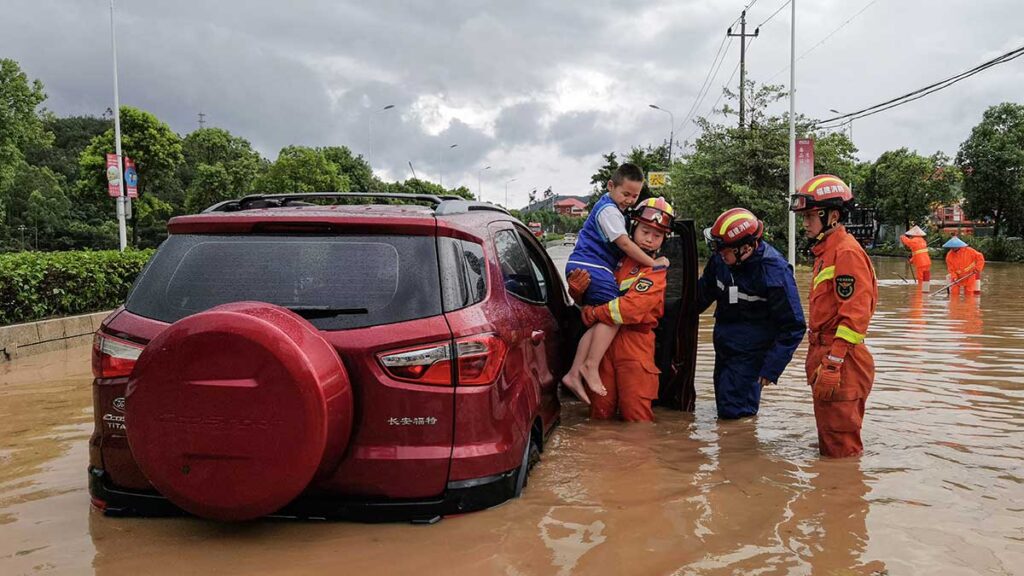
(460, 497)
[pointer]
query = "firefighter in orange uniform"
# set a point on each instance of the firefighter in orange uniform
(919, 258)
(963, 261)
(843, 295)
(628, 370)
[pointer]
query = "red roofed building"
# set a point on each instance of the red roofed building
(571, 207)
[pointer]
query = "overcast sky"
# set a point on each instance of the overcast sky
(537, 90)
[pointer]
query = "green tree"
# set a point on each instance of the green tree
(151, 216)
(357, 170)
(154, 147)
(217, 166)
(992, 162)
(749, 167)
(301, 169)
(599, 180)
(70, 137)
(21, 128)
(905, 186)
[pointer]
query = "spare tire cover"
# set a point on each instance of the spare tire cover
(230, 413)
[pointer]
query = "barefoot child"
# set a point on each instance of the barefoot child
(628, 369)
(601, 243)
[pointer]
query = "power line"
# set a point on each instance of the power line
(922, 92)
(827, 36)
(777, 10)
(712, 74)
(722, 93)
(707, 77)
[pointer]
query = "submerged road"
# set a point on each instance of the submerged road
(939, 490)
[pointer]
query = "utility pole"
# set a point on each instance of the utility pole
(202, 120)
(743, 58)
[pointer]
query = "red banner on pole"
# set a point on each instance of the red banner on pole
(131, 178)
(113, 176)
(804, 161)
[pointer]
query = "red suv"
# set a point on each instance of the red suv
(378, 362)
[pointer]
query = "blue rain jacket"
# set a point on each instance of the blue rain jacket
(756, 330)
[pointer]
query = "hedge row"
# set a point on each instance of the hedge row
(38, 285)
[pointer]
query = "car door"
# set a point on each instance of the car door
(528, 286)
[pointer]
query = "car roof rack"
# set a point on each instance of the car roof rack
(443, 205)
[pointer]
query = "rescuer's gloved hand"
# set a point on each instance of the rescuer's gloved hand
(826, 378)
(579, 281)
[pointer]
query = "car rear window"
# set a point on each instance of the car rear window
(337, 282)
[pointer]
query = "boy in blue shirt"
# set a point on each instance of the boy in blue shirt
(601, 243)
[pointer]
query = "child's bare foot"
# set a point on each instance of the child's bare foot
(593, 379)
(573, 382)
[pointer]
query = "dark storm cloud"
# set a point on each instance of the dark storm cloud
(530, 85)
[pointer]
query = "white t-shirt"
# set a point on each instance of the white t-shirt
(612, 223)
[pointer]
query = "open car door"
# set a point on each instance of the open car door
(676, 335)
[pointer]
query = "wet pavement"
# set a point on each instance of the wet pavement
(939, 490)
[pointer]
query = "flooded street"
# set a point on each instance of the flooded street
(939, 489)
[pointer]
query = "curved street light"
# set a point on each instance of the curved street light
(369, 133)
(671, 132)
(479, 192)
(440, 164)
(506, 191)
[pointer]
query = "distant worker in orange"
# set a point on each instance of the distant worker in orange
(844, 292)
(964, 265)
(919, 258)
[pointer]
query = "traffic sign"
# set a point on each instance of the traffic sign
(658, 179)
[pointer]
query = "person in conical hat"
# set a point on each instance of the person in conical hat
(963, 261)
(919, 258)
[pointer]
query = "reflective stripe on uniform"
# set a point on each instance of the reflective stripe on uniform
(849, 335)
(921, 251)
(826, 273)
(741, 295)
(613, 308)
(628, 283)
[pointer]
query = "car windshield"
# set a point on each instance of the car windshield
(336, 282)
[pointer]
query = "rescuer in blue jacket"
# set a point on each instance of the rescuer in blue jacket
(758, 322)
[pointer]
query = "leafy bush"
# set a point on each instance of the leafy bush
(37, 285)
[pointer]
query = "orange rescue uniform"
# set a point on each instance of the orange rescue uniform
(844, 292)
(963, 262)
(628, 370)
(919, 257)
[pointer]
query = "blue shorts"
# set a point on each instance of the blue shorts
(603, 286)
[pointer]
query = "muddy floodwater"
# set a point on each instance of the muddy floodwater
(939, 489)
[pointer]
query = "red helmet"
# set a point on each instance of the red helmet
(656, 212)
(735, 227)
(823, 191)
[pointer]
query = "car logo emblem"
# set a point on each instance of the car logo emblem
(119, 404)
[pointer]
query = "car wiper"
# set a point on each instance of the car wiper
(310, 312)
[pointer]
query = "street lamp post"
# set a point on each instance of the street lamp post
(440, 164)
(122, 199)
(506, 191)
(849, 123)
(671, 132)
(479, 192)
(369, 133)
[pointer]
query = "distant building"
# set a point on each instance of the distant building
(952, 220)
(572, 206)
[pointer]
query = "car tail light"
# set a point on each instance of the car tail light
(112, 357)
(480, 359)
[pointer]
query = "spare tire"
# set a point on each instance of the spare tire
(231, 413)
